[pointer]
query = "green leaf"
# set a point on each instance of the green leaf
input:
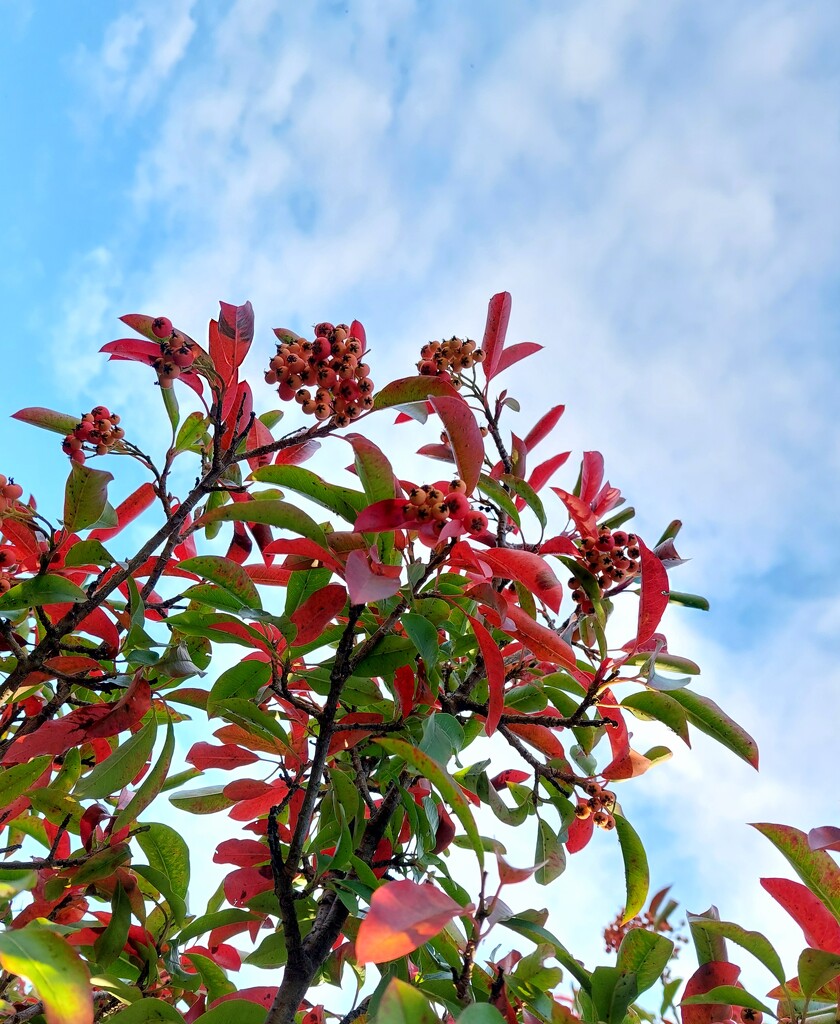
(443, 736)
(549, 856)
(41, 590)
(689, 600)
(159, 881)
(15, 781)
(389, 654)
(409, 390)
(151, 784)
(636, 874)
(109, 944)
(235, 1011)
(85, 496)
(167, 852)
(443, 782)
(522, 925)
(401, 1003)
(344, 501)
(706, 716)
(816, 967)
(215, 980)
(271, 512)
(116, 771)
(728, 995)
(753, 942)
(495, 493)
(226, 573)
(192, 430)
(423, 635)
(612, 992)
(478, 1013)
(527, 493)
(646, 955)
(654, 706)
(54, 970)
(170, 403)
(147, 1011)
(244, 680)
(88, 552)
(373, 468)
(207, 800)
(817, 869)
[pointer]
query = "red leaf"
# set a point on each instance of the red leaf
(827, 837)
(464, 437)
(254, 807)
(529, 569)
(228, 756)
(264, 995)
(295, 454)
(561, 545)
(243, 884)
(243, 853)
(540, 737)
(358, 331)
(364, 583)
(509, 875)
(441, 452)
(259, 435)
(268, 575)
(509, 775)
(580, 832)
(236, 328)
(494, 666)
(345, 739)
(543, 427)
(317, 611)
(818, 924)
(581, 514)
(498, 315)
(402, 916)
(388, 514)
(654, 595)
(127, 511)
(515, 353)
(93, 722)
(306, 548)
(132, 350)
(408, 390)
(591, 475)
(544, 643)
(704, 979)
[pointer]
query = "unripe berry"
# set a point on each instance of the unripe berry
(418, 496)
(162, 327)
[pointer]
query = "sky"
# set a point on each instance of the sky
(654, 182)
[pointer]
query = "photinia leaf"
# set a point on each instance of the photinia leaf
(443, 782)
(580, 513)
(316, 612)
(19, 778)
(515, 353)
(465, 438)
(233, 1010)
(402, 1003)
(47, 419)
(116, 771)
(227, 574)
(736, 996)
(646, 955)
(373, 468)
(705, 715)
(207, 800)
(818, 925)
(549, 857)
(151, 784)
(498, 315)
(269, 511)
(494, 666)
(236, 328)
(85, 497)
(409, 390)
(403, 915)
(543, 427)
(344, 501)
(527, 568)
(826, 837)
(387, 514)
(364, 583)
(649, 705)
(544, 643)
(711, 975)
(636, 874)
(54, 970)
(816, 968)
(753, 942)
(127, 511)
(40, 591)
(147, 1011)
(227, 756)
(655, 591)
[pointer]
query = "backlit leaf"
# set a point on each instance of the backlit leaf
(225, 573)
(465, 438)
(495, 330)
(636, 873)
(39, 591)
(705, 715)
(47, 419)
(54, 970)
(270, 512)
(116, 771)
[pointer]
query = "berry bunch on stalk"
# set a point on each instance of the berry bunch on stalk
(97, 432)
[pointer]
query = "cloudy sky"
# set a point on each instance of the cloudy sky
(656, 184)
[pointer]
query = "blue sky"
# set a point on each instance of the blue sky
(655, 183)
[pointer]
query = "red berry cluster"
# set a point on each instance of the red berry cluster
(99, 429)
(176, 352)
(432, 505)
(613, 558)
(8, 556)
(600, 806)
(332, 365)
(448, 358)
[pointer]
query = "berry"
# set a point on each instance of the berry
(475, 522)
(12, 491)
(458, 505)
(162, 327)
